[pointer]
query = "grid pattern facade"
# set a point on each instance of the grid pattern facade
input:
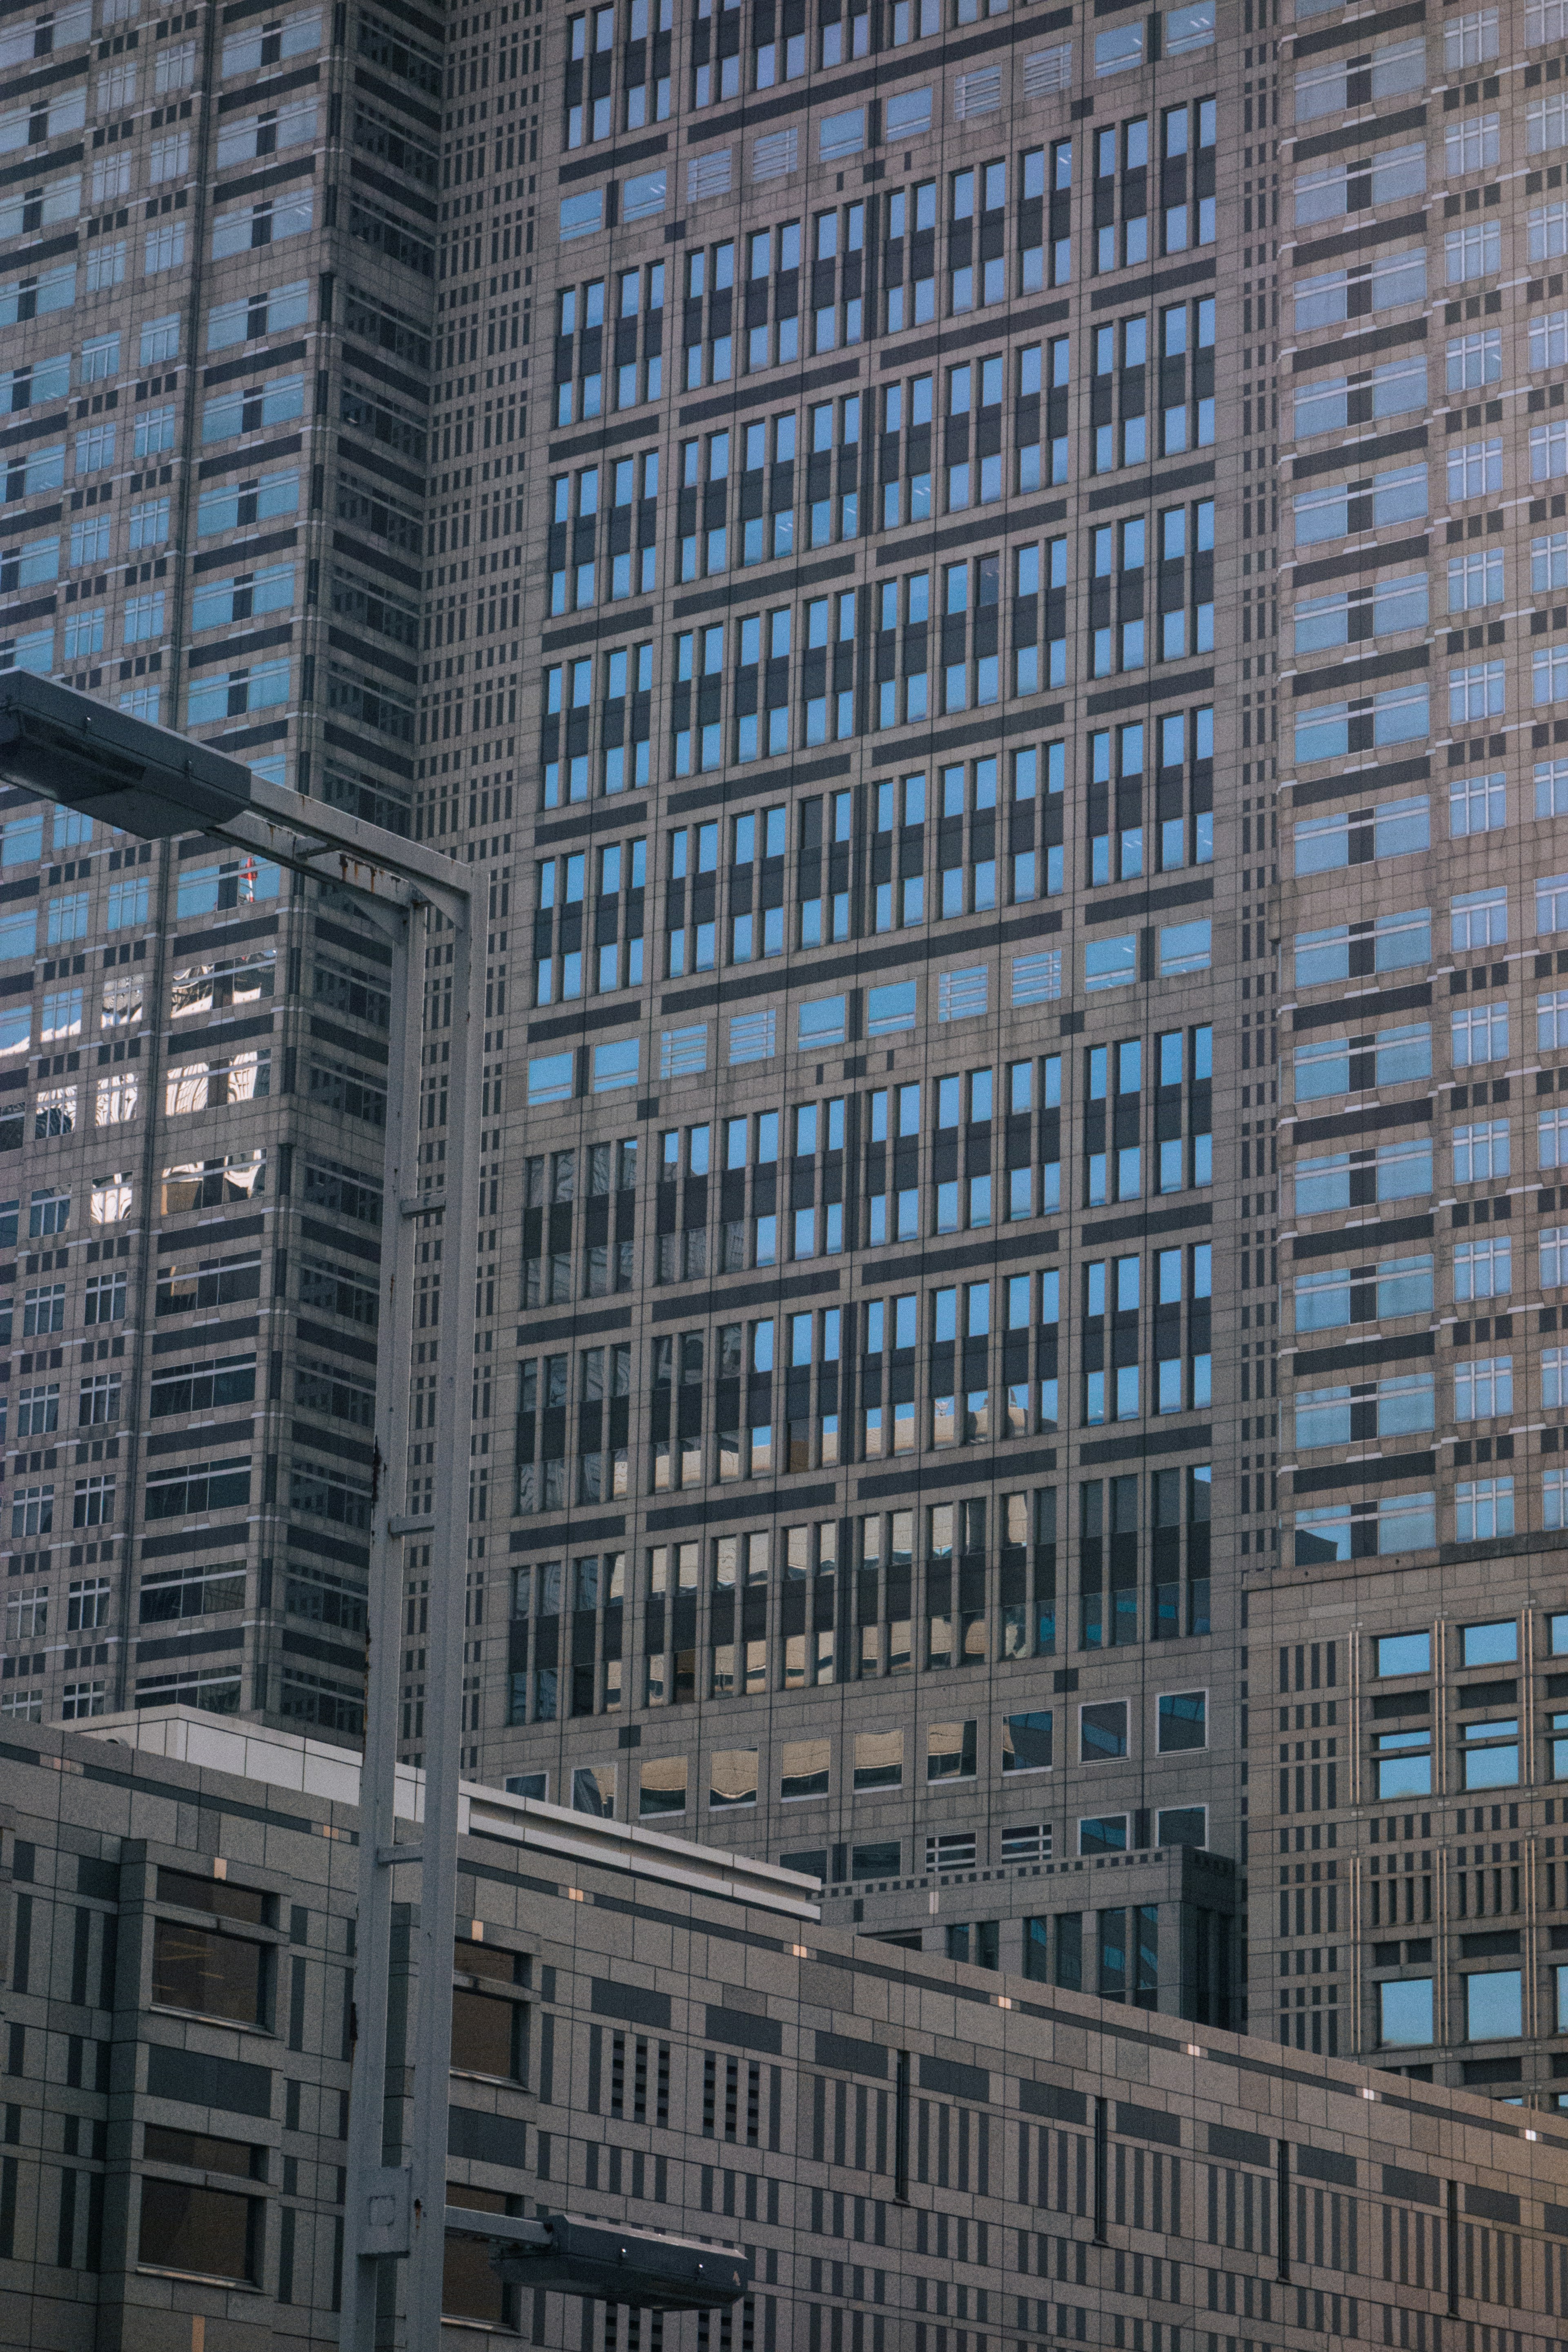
(954, 536)
(866, 1493)
(907, 2149)
(1402, 1729)
(220, 260)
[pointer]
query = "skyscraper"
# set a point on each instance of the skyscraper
(218, 307)
(873, 1499)
(1406, 1868)
(956, 438)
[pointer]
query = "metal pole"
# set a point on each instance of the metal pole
(377, 2204)
(400, 2210)
(156, 784)
(431, 2053)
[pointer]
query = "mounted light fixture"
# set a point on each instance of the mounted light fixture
(144, 779)
(641, 2268)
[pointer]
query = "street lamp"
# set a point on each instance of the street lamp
(644, 2269)
(151, 782)
(148, 780)
(134, 775)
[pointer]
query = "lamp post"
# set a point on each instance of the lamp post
(149, 781)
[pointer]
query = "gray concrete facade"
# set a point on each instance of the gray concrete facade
(935, 488)
(1405, 1894)
(913, 2152)
(866, 1494)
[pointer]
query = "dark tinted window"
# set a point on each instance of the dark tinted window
(214, 1894)
(218, 1976)
(200, 2151)
(469, 2288)
(486, 1961)
(876, 1861)
(209, 2230)
(486, 2034)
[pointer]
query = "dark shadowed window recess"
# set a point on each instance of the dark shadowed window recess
(469, 2287)
(210, 2233)
(489, 2029)
(211, 1974)
(201, 2152)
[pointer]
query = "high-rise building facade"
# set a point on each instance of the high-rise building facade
(219, 304)
(970, 450)
(868, 1493)
(1408, 1680)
